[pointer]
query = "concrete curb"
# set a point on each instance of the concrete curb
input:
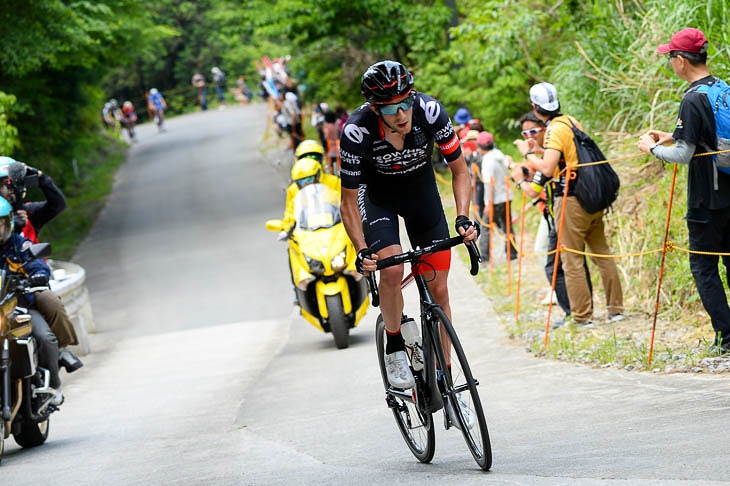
(68, 283)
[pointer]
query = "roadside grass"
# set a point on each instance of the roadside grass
(682, 336)
(98, 158)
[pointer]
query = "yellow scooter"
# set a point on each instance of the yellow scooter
(332, 295)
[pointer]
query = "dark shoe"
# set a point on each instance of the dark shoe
(69, 360)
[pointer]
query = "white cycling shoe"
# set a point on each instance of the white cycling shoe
(466, 412)
(398, 372)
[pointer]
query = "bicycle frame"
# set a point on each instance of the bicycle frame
(429, 333)
(438, 385)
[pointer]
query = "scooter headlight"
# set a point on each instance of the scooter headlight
(339, 262)
(315, 266)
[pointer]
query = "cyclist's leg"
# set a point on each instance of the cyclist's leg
(426, 223)
(380, 228)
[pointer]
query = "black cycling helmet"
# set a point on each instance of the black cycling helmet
(384, 81)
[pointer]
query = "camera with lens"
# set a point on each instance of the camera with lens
(21, 177)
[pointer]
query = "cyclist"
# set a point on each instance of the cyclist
(129, 118)
(385, 151)
(156, 106)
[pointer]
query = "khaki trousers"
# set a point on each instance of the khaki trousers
(50, 306)
(581, 229)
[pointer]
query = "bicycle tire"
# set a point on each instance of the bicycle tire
(415, 424)
(461, 382)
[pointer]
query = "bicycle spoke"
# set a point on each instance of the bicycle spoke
(415, 425)
(463, 397)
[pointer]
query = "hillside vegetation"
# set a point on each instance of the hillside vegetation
(60, 60)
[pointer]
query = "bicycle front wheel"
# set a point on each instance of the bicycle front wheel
(414, 423)
(462, 395)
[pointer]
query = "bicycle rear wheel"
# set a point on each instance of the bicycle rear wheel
(460, 389)
(414, 423)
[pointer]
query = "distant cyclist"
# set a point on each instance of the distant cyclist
(129, 118)
(156, 106)
(386, 172)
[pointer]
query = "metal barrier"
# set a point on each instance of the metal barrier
(68, 283)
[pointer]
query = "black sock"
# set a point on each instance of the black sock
(394, 343)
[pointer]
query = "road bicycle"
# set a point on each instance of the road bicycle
(437, 386)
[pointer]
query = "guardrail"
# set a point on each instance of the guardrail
(68, 283)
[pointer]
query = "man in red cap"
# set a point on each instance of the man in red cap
(708, 189)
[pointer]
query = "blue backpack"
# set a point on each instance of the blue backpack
(719, 97)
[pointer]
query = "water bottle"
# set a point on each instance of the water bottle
(409, 331)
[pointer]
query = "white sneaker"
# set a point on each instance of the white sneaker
(615, 317)
(549, 297)
(398, 371)
(466, 412)
(58, 398)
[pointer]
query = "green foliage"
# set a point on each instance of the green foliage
(8, 133)
(60, 60)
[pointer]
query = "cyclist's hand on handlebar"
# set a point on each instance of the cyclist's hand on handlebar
(365, 261)
(467, 228)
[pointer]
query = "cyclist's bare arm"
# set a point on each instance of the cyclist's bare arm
(353, 224)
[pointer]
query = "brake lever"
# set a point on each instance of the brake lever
(373, 285)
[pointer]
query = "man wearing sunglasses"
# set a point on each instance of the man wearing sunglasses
(708, 189)
(581, 229)
(385, 149)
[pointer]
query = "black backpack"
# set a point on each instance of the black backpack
(596, 186)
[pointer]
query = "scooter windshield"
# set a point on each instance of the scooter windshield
(316, 206)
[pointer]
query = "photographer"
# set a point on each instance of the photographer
(29, 217)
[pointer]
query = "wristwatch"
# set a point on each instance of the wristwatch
(651, 149)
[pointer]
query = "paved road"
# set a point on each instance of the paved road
(202, 373)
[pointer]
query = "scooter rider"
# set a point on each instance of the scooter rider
(14, 250)
(306, 170)
(29, 218)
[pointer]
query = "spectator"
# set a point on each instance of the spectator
(547, 237)
(342, 117)
(292, 117)
(461, 119)
(580, 228)
(317, 119)
(708, 189)
(496, 194)
(200, 84)
(329, 130)
(474, 163)
(244, 91)
(219, 81)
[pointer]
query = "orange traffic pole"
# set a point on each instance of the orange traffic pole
(508, 218)
(568, 176)
(661, 265)
(491, 223)
(519, 261)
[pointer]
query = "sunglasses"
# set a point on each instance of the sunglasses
(393, 108)
(306, 181)
(531, 132)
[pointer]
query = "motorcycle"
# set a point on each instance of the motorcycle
(25, 393)
(332, 295)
